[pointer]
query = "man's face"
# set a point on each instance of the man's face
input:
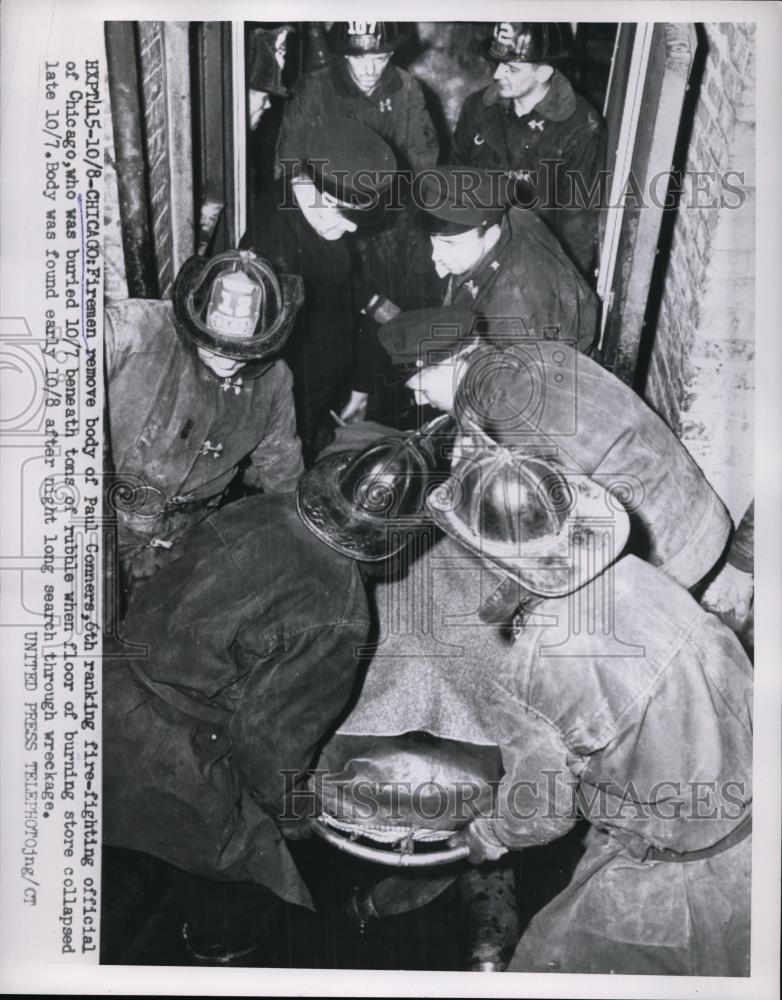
(457, 254)
(436, 385)
(322, 211)
(367, 70)
(520, 79)
(258, 103)
(217, 364)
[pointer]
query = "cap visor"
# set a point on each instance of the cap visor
(432, 225)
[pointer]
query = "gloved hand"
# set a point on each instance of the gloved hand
(480, 838)
(729, 595)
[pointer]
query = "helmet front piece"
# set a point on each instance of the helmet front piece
(236, 305)
(547, 42)
(361, 38)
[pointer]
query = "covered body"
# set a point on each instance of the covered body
(432, 651)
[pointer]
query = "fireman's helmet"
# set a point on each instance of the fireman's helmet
(365, 503)
(361, 38)
(548, 42)
(547, 529)
(236, 305)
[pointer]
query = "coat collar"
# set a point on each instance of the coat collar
(489, 261)
(388, 84)
(557, 106)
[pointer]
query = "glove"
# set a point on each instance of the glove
(729, 595)
(381, 309)
(482, 841)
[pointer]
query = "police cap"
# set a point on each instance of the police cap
(420, 338)
(352, 164)
(453, 200)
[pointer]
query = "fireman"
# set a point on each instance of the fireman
(530, 123)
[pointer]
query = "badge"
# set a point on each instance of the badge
(232, 382)
(536, 126)
(234, 305)
(207, 448)
(519, 175)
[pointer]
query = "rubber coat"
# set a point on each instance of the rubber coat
(179, 434)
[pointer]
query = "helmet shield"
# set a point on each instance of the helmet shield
(529, 41)
(361, 38)
(236, 305)
(547, 529)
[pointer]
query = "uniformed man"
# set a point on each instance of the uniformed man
(626, 703)
(245, 655)
(530, 123)
(362, 84)
(541, 396)
(196, 390)
(299, 224)
(502, 263)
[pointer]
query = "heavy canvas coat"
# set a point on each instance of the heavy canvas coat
(239, 657)
(556, 150)
(179, 434)
(527, 278)
(395, 110)
(642, 721)
(545, 398)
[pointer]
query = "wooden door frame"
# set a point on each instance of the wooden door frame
(662, 58)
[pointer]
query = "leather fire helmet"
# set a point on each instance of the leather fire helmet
(236, 305)
(545, 528)
(360, 38)
(364, 504)
(547, 42)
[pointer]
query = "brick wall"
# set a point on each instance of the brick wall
(152, 58)
(701, 375)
